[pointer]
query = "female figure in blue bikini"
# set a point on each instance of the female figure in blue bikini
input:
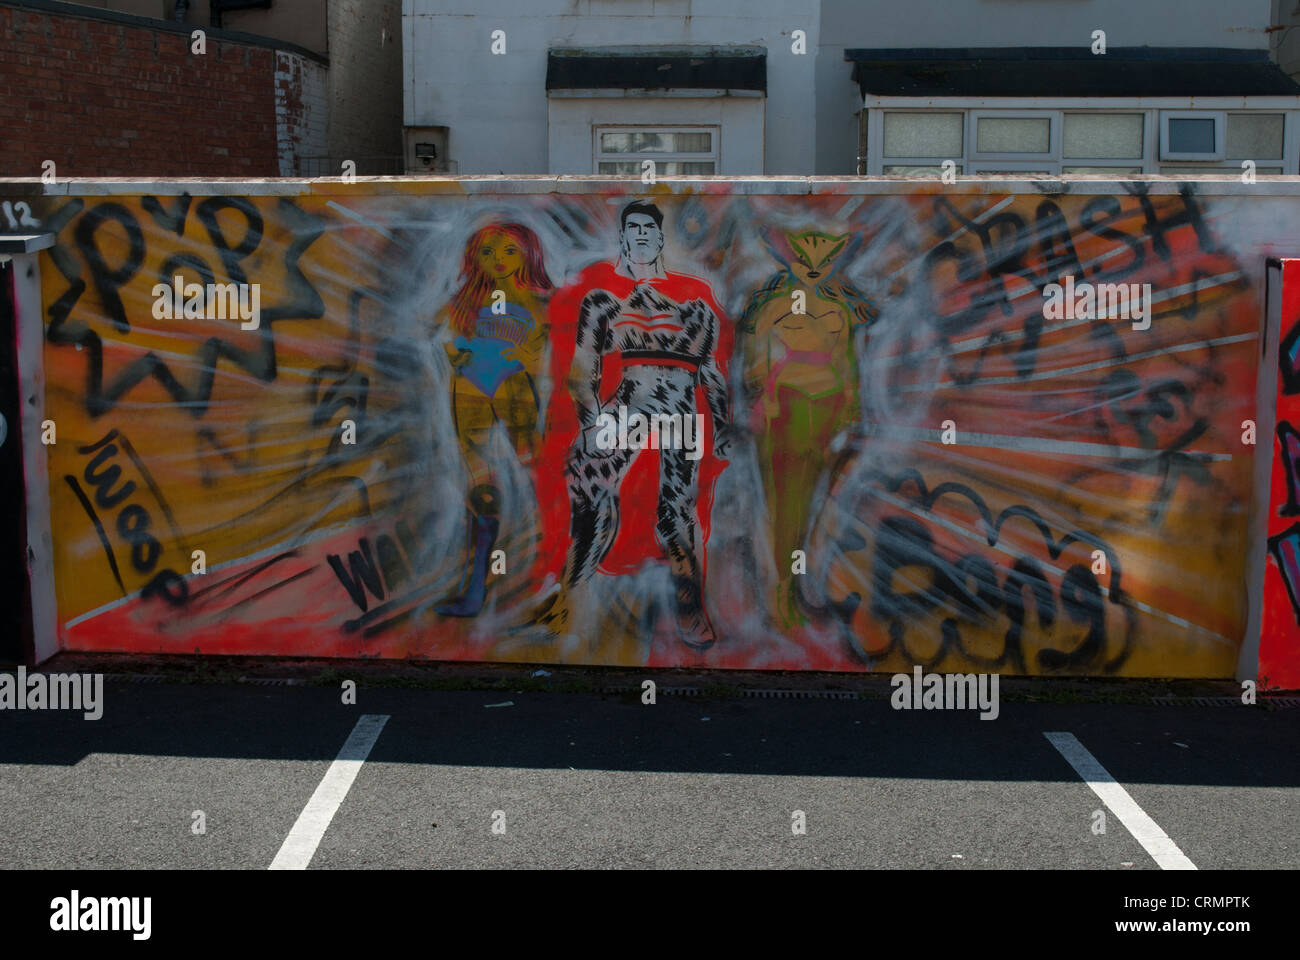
(499, 316)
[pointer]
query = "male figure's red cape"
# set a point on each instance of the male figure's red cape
(639, 495)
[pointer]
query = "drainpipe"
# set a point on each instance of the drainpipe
(862, 142)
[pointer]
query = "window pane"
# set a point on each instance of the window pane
(1103, 135)
(1209, 168)
(1255, 136)
(615, 143)
(1014, 135)
(632, 141)
(663, 168)
(648, 142)
(922, 135)
(1104, 171)
(1191, 135)
(687, 168)
(651, 141)
(906, 171)
(691, 142)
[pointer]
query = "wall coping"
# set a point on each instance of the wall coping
(1080, 185)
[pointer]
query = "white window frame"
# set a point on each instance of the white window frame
(1053, 153)
(958, 171)
(984, 168)
(714, 156)
(1125, 165)
(1150, 107)
(1220, 118)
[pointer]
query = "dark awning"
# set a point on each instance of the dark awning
(657, 68)
(1068, 72)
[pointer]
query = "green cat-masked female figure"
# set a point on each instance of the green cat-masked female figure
(801, 380)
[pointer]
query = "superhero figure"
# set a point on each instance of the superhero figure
(496, 358)
(656, 336)
(802, 381)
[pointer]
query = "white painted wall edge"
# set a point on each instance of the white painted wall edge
(30, 330)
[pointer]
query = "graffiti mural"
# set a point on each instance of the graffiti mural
(659, 426)
(1279, 647)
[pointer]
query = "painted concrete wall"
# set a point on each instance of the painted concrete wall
(846, 24)
(1053, 23)
(303, 22)
(1285, 40)
(907, 456)
(452, 80)
(740, 119)
(365, 78)
(496, 106)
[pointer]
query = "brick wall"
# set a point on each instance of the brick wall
(301, 112)
(112, 100)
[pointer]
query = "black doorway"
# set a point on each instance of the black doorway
(15, 589)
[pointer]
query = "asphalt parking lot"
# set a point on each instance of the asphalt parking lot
(421, 778)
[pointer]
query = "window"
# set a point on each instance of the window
(908, 137)
(1211, 168)
(907, 170)
(1191, 135)
(923, 135)
(1104, 170)
(1255, 136)
(1013, 170)
(676, 151)
(1103, 136)
(1015, 137)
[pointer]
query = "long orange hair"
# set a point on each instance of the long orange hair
(532, 275)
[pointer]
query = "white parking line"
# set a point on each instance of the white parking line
(300, 846)
(1145, 830)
